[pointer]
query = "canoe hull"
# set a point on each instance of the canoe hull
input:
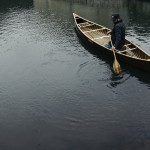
(142, 64)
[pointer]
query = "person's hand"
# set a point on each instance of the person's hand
(113, 48)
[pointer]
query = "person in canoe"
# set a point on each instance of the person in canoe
(117, 33)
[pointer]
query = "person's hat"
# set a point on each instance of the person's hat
(115, 16)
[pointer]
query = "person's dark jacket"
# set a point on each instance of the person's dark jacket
(118, 35)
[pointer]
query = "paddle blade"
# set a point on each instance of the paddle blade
(116, 67)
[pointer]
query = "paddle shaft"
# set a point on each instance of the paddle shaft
(116, 65)
(113, 48)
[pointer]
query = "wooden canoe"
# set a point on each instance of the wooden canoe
(98, 36)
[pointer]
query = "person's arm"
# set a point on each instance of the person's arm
(118, 36)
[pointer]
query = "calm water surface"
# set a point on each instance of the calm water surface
(56, 93)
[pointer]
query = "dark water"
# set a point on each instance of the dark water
(56, 93)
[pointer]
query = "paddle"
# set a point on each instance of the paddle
(116, 65)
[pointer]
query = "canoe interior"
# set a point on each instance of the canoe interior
(99, 34)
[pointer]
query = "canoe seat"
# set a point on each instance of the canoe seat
(127, 50)
(84, 24)
(127, 44)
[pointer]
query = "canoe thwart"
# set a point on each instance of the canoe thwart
(94, 30)
(107, 36)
